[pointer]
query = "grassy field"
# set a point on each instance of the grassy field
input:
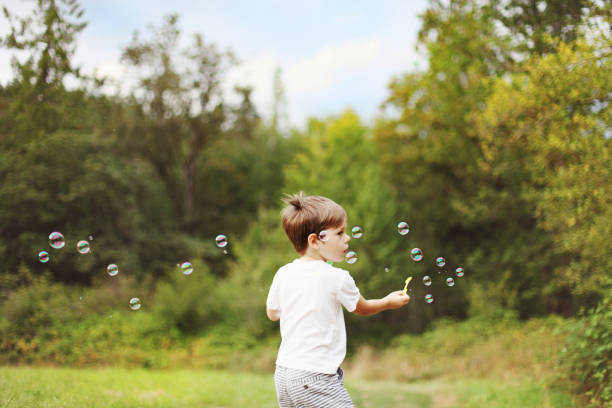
(121, 388)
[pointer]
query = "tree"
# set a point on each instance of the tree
(432, 151)
(553, 122)
(49, 35)
(182, 110)
(279, 106)
(533, 22)
(59, 168)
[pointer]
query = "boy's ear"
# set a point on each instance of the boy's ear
(313, 241)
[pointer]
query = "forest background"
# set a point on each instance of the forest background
(497, 155)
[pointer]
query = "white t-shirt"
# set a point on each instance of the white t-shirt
(310, 296)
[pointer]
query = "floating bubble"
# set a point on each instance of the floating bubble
(43, 256)
(323, 235)
(357, 232)
(416, 254)
(429, 298)
(91, 237)
(450, 281)
(83, 246)
(440, 261)
(112, 270)
(426, 280)
(187, 268)
(350, 257)
(135, 303)
(221, 241)
(459, 271)
(403, 228)
(387, 269)
(56, 240)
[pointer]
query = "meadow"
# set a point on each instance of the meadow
(502, 364)
(126, 388)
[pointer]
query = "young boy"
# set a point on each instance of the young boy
(307, 296)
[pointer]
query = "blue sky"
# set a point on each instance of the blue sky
(333, 54)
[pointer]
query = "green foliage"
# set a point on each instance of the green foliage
(431, 151)
(189, 303)
(531, 23)
(39, 103)
(50, 322)
(585, 359)
(498, 151)
(549, 123)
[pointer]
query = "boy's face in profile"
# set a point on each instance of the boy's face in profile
(332, 245)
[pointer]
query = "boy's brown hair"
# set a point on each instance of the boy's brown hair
(305, 215)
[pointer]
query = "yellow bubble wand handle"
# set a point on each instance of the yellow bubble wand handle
(408, 279)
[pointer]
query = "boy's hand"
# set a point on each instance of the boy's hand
(397, 299)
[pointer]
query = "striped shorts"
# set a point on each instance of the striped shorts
(306, 389)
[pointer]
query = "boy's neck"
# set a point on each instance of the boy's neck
(310, 256)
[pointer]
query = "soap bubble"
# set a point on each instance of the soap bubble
(416, 254)
(43, 256)
(387, 269)
(56, 240)
(112, 270)
(135, 303)
(221, 241)
(450, 281)
(403, 228)
(459, 271)
(429, 298)
(83, 246)
(187, 268)
(357, 232)
(426, 280)
(350, 257)
(440, 261)
(323, 235)
(91, 237)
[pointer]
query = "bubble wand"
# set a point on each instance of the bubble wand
(408, 279)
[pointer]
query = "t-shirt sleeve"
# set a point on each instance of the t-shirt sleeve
(348, 293)
(273, 301)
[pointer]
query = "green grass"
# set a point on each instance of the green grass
(119, 388)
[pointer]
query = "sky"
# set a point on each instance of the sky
(332, 54)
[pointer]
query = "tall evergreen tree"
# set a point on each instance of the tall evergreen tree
(49, 36)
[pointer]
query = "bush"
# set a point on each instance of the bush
(587, 354)
(189, 303)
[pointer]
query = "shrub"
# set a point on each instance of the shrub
(189, 303)
(587, 355)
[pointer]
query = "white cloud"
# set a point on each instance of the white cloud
(318, 73)
(305, 77)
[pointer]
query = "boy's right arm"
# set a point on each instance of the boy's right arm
(393, 300)
(273, 315)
